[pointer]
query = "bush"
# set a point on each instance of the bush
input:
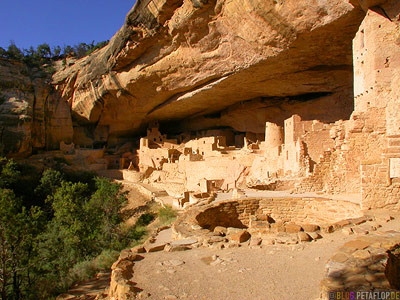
(166, 215)
(105, 260)
(76, 230)
(145, 219)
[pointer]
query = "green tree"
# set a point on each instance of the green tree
(43, 50)
(68, 50)
(57, 51)
(10, 173)
(18, 229)
(107, 201)
(14, 52)
(49, 183)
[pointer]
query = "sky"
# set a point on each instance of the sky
(60, 22)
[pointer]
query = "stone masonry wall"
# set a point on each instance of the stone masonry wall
(282, 210)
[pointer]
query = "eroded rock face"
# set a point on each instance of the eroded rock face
(201, 60)
(32, 115)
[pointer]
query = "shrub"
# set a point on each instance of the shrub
(166, 215)
(106, 258)
(145, 219)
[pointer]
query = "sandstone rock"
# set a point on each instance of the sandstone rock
(120, 86)
(154, 247)
(184, 242)
(138, 249)
(292, 228)
(220, 230)
(357, 244)
(123, 264)
(32, 115)
(128, 254)
(278, 227)
(143, 295)
(310, 227)
(255, 242)
(341, 224)
(241, 236)
(268, 241)
(327, 228)
(315, 235)
(216, 239)
(347, 230)
(232, 230)
(361, 254)
(340, 257)
(359, 221)
(304, 237)
(359, 230)
(175, 248)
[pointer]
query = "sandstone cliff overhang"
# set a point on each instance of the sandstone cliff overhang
(179, 60)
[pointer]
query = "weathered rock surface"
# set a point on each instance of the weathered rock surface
(217, 63)
(32, 115)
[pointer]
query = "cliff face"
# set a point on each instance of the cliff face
(216, 63)
(32, 115)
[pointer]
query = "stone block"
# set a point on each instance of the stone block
(310, 227)
(304, 237)
(292, 228)
(278, 227)
(240, 237)
(315, 235)
(357, 245)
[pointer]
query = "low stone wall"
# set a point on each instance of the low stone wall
(369, 263)
(247, 212)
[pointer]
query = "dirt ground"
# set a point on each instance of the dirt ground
(272, 272)
(283, 272)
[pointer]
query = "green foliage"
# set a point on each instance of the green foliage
(14, 52)
(49, 183)
(145, 219)
(9, 173)
(63, 229)
(18, 228)
(107, 201)
(44, 54)
(166, 215)
(44, 50)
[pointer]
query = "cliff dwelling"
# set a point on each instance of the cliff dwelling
(265, 125)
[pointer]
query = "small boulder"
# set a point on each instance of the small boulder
(255, 242)
(220, 230)
(315, 235)
(241, 236)
(310, 227)
(304, 237)
(292, 228)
